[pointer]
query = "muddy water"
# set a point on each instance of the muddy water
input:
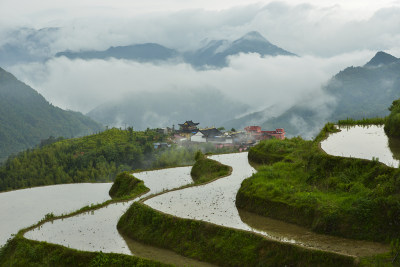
(165, 179)
(361, 142)
(215, 203)
(96, 230)
(22, 208)
(285, 231)
(162, 255)
(91, 231)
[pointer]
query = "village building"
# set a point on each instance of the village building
(256, 133)
(214, 136)
(188, 129)
(252, 134)
(211, 135)
(277, 134)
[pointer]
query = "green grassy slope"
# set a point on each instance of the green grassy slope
(216, 244)
(25, 253)
(301, 184)
(205, 170)
(127, 186)
(91, 158)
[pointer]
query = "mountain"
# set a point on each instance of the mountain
(358, 92)
(167, 108)
(215, 53)
(138, 52)
(26, 118)
(381, 58)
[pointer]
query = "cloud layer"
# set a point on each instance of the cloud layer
(261, 82)
(320, 28)
(328, 36)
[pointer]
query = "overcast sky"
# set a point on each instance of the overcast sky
(318, 27)
(328, 36)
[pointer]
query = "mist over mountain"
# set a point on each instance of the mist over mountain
(26, 118)
(214, 54)
(381, 58)
(249, 69)
(140, 52)
(166, 108)
(24, 45)
(357, 92)
(31, 45)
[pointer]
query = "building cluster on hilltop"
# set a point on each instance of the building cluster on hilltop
(189, 132)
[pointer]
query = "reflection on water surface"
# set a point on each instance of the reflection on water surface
(96, 230)
(25, 207)
(213, 202)
(366, 142)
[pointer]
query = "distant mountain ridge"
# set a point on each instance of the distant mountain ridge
(139, 52)
(214, 54)
(26, 45)
(381, 58)
(358, 92)
(26, 118)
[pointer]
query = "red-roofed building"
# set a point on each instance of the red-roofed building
(278, 133)
(258, 134)
(253, 129)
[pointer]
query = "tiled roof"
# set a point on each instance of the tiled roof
(212, 132)
(189, 123)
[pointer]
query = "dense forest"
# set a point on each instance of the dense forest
(26, 118)
(92, 158)
(95, 158)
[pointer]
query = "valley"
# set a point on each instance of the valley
(199, 133)
(213, 202)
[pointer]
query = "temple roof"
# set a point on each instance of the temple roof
(189, 123)
(212, 132)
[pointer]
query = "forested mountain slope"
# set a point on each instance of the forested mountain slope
(26, 118)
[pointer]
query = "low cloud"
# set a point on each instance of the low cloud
(260, 82)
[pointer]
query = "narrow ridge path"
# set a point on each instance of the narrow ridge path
(215, 203)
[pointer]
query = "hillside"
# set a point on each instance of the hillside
(348, 197)
(90, 158)
(216, 52)
(95, 158)
(26, 118)
(358, 92)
